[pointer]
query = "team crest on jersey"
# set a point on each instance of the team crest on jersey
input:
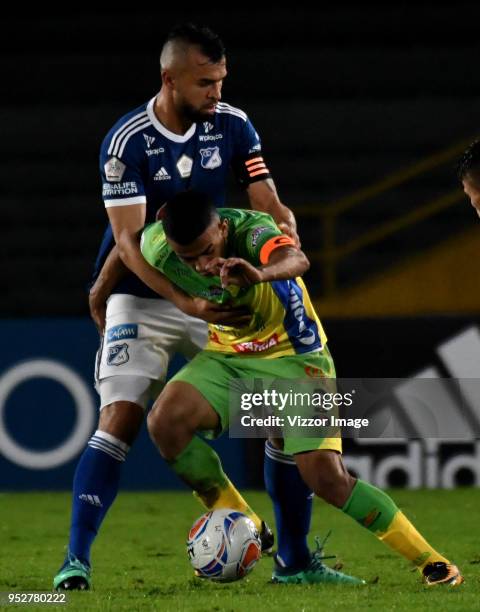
(118, 354)
(114, 170)
(211, 158)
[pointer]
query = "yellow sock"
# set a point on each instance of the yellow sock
(402, 537)
(228, 497)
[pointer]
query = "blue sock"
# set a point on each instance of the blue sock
(292, 503)
(95, 486)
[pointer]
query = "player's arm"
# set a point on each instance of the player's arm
(284, 262)
(125, 201)
(127, 223)
(280, 260)
(254, 176)
(263, 196)
(111, 273)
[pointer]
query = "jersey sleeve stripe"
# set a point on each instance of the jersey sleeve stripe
(230, 113)
(125, 201)
(226, 108)
(122, 128)
(256, 167)
(233, 109)
(131, 133)
(249, 162)
(264, 171)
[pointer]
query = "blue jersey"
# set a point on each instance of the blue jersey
(142, 162)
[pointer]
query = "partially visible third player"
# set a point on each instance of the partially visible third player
(469, 174)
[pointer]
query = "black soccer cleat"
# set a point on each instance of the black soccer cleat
(267, 539)
(442, 573)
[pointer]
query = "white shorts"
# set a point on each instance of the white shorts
(142, 335)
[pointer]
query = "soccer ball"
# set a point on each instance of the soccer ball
(223, 545)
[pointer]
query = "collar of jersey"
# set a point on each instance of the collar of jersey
(163, 130)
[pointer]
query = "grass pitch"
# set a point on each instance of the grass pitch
(140, 563)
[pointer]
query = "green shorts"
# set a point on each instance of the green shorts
(211, 374)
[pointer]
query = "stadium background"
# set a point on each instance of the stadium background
(363, 111)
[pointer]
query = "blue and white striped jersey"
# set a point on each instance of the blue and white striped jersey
(141, 161)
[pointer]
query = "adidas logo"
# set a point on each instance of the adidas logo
(162, 175)
(427, 461)
(91, 499)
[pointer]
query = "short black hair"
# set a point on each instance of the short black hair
(209, 43)
(469, 164)
(187, 215)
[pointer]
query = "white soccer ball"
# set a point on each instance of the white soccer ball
(223, 545)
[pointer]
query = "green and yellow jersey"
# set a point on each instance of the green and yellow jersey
(283, 319)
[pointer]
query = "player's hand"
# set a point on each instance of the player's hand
(238, 271)
(220, 314)
(291, 231)
(214, 266)
(98, 310)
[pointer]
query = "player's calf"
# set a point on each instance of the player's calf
(324, 472)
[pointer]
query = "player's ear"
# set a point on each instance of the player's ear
(167, 78)
(223, 225)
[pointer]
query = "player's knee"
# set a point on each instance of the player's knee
(157, 422)
(166, 424)
(122, 420)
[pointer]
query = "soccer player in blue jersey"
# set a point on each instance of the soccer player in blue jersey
(184, 137)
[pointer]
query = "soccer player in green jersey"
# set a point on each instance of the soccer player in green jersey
(241, 257)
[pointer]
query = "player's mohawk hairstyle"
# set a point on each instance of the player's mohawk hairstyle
(187, 215)
(209, 43)
(469, 163)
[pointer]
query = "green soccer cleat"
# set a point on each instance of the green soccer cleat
(316, 572)
(73, 575)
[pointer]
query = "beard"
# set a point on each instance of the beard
(193, 114)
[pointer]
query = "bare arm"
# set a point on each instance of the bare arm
(285, 262)
(112, 271)
(127, 222)
(263, 196)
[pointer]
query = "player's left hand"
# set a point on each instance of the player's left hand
(235, 271)
(291, 231)
(98, 310)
